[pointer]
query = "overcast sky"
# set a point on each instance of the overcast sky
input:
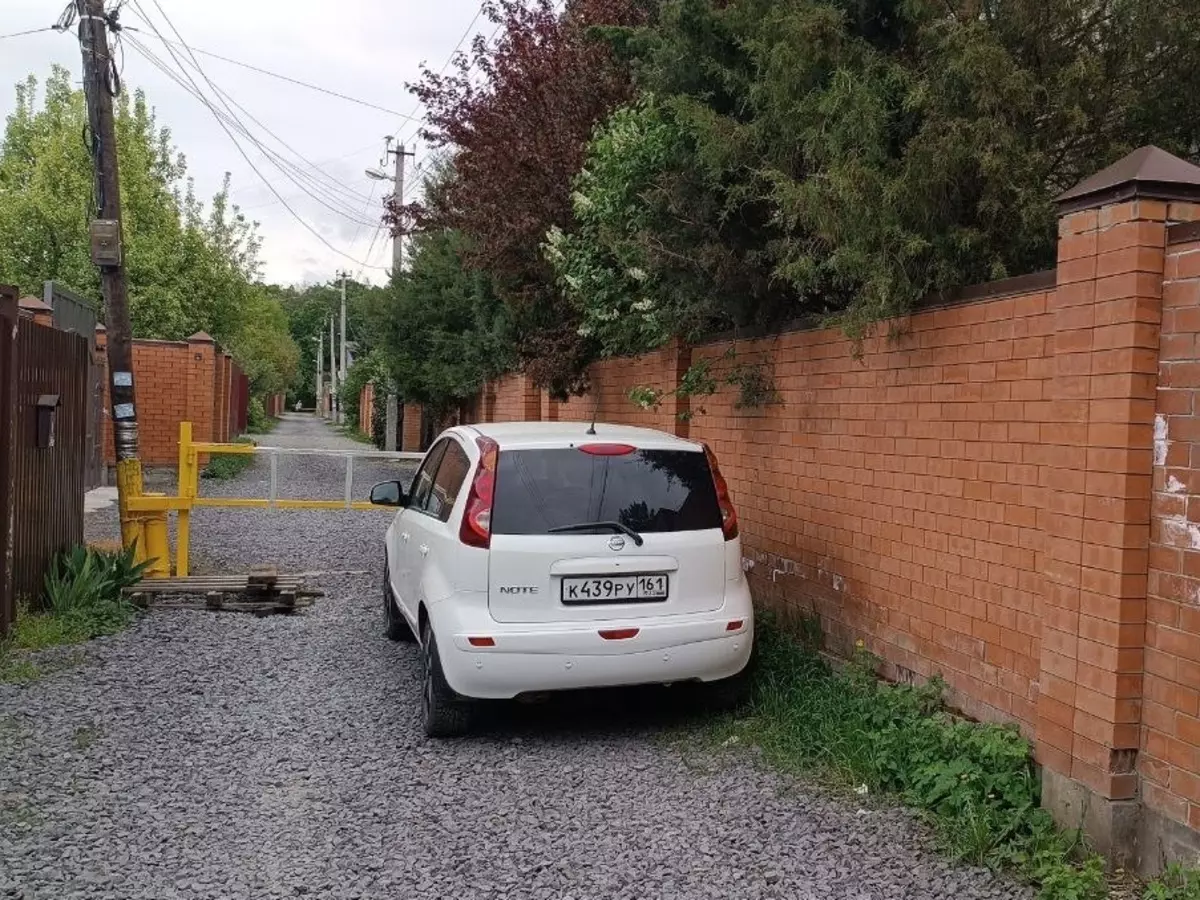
(366, 49)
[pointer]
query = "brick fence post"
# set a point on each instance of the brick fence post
(1107, 311)
(531, 398)
(200, 382)
(410, 440)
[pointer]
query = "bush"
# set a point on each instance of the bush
(257, 420)
(83, 590)
(976, 784)
(222, 466)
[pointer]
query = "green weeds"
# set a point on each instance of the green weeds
(224, 466)
(82, 599)
(1177, 883)
(975, 784)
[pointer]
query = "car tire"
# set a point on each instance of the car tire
(443, 713)
(394, 622)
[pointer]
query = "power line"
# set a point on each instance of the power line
(285, 166)
(319, 180)
(268, 72)
(229, 133)
(17, 34)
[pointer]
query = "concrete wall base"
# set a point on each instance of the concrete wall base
(1110, 826)
(1162, 841)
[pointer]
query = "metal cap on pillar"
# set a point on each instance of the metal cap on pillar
(1145, 174)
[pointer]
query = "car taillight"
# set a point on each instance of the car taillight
(729, 520)
(607, 449)
(476, 528)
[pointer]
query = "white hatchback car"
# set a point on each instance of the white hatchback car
(545, 556)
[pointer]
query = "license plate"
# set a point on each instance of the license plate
(619, 589)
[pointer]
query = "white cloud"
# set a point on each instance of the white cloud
(363, 48)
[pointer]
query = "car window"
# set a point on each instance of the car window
(423, 483)
(448, 482)
(647, 490)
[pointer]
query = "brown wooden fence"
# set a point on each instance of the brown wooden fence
(8, 386)
(47, 446)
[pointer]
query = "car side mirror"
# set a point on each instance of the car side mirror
(388, 493)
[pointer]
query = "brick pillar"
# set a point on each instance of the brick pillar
(531, 399)
(677, 359)
(410, 440)
(489, 402)
(366, 408)
(1169, 761)
(200, 384)
(1107, 311)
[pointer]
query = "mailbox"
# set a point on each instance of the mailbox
(47, 420)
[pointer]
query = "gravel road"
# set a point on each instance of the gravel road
(221, 756)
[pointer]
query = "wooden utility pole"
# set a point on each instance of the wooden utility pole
(100, 86)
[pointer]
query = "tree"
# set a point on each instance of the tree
(845, 158)
(442, 332)
(518, 134)
(189, 270)
(308, 310)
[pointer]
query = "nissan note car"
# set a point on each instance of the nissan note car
(536, 557)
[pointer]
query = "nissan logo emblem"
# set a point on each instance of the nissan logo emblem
(616, 543)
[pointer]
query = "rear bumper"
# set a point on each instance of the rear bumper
(665, 650)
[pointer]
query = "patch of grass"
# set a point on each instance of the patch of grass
(223, 467)
(352, 432)
(83, 599)
(85, 736)
(17, 671)
(975, 784)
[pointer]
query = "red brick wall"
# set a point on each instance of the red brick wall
(897, 495)
(512, 399)
(1007, 495)
(175, 381)
(1170, 734)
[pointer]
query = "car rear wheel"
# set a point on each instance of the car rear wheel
(394, 622)
(443, 712)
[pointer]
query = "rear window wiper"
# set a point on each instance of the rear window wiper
(593, 526)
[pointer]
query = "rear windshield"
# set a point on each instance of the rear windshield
(646, 490)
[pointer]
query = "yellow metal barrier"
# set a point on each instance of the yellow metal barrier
(145, 517)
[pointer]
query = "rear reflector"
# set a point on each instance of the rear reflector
(607, 449)
(735, 625)
(481, 642)
(619, 634)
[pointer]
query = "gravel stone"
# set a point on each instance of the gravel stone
(233, 757)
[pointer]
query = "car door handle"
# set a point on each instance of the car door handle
(424, 550)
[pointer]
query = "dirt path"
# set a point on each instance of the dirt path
(221, 756)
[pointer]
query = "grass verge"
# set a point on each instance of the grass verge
(975, 784)
(83, 600)
(352, 432)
